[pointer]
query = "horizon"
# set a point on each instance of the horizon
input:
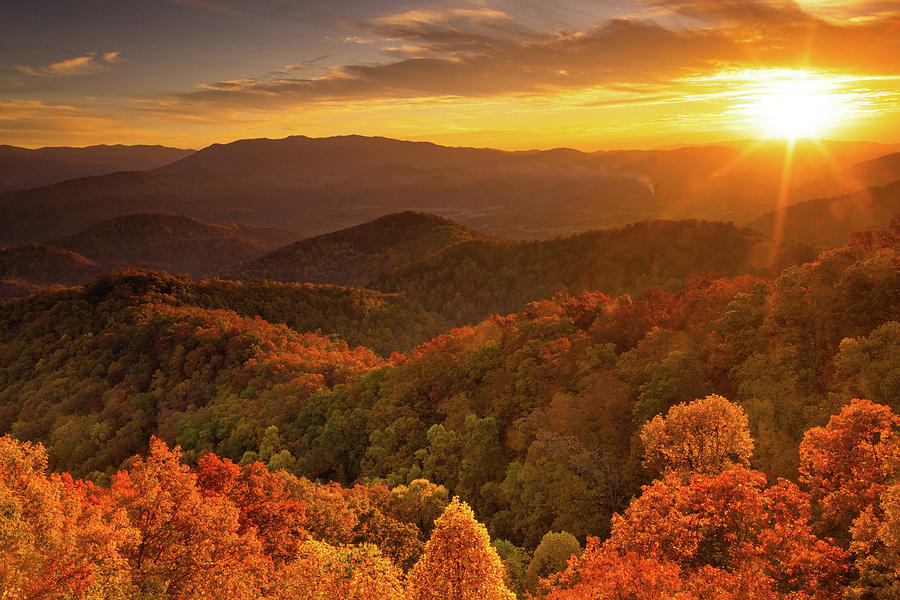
(734, 142)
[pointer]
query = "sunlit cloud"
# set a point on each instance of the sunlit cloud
(674, 66)
(86, 64)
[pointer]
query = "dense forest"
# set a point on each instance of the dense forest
(700, 439)
(464, 276)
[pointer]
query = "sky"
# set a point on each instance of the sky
(512, 74)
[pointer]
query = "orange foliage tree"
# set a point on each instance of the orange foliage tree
(325, 572)
(263, 499)
(724, 535)
(190, 546)
(849, 463)
(56, 537)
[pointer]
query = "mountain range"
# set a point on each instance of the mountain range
(317, 185)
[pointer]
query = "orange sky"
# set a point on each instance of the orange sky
(506, 74)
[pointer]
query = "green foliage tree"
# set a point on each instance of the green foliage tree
(551, 556)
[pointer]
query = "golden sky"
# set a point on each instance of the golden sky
(507, 74)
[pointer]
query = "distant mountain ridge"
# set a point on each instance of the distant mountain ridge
(318, 185)
(829, 221)
(23, 168)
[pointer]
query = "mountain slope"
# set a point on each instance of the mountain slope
(355, 256)
(829, 221)
(173, 243)
(165, 242)
(466, 277)
(22, 168)
(41, 264)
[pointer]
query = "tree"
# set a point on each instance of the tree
(263, 499)
(876, 543)
(551, 556)
(515, 560)
(708, 436)
(324, 572)
(459, 562)
(57, 538)
(190, 546)
(729, 522)
(849, 463)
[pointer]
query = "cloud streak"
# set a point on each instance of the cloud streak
(87, 64)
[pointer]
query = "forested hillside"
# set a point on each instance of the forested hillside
(466, 277)
(165, 242)
(546, 422)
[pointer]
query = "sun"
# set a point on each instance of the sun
(794, 105)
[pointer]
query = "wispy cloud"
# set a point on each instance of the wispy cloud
(86, 64)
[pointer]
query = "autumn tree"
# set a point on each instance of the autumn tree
(190, 545)
(263, 499)
(420, 503)
(704, 436)
(551, 556)
(324, 572)
(876, 544)
(849, 463)
(731, 523)
(57, 538)
(459, 562)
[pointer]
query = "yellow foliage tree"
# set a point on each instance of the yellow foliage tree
(706, 436)
(459, 562)
(325, 572)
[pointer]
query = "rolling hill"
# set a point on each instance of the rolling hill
(164, 242)
(358, 255)
(466, 277)
(173, 243)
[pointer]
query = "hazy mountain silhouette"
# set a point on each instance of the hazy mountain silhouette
(23, 168)
(829, 221)
(41, 264)
(317, 185)
(173, 243)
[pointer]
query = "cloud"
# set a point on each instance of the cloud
(86, 64)
(483, 53)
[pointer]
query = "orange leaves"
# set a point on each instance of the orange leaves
(724, 532)
(264, 500)
(848, 463)
(190, 546)
(324, 572)
(54, 540)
